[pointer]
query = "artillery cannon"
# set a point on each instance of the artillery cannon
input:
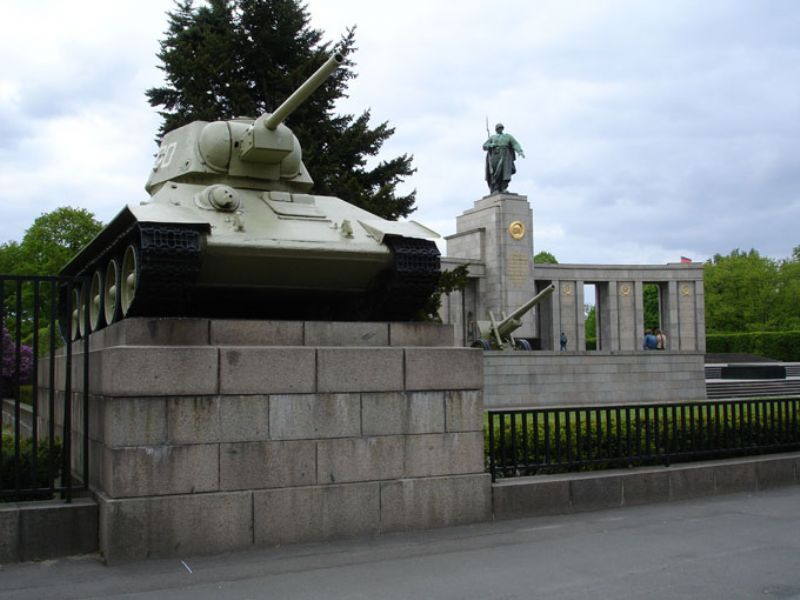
(231, 230)
(498, 335)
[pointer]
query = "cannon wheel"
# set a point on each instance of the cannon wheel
(523, 345)
(482, 344)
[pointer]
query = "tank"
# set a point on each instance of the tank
(232, 230)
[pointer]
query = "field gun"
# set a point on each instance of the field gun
(499, 335)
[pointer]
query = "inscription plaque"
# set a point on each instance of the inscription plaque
(517, 268)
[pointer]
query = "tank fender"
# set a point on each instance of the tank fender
(379, 228)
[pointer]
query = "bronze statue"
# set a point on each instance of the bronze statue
(501, 150)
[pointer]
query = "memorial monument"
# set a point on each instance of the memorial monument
(495, 238)
(320, 416)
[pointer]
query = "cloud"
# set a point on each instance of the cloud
(652, 129)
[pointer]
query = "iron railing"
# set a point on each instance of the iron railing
(558, 440)
(39, 455)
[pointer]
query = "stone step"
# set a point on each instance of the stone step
(741, 389)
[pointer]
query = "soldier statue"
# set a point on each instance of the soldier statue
(501, 150)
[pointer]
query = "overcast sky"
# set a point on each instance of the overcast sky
(653, 129)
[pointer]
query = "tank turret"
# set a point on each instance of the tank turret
(232, 230)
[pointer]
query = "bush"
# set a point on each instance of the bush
(12, 467)
(660, 432)
(778, 345)
(8, 366)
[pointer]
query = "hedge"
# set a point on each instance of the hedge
(11, 467)
(658, 434)
(778, 345)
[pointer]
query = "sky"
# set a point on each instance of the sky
(652, 129)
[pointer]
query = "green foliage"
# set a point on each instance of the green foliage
(26, 394)
(590, 325)
(449, 282)
(22, 470)
(652, 307)
(50, 242)
(544, 258)
(47, 245)
(612, 441)
(778, 345)
(745, 291)
(229, 58)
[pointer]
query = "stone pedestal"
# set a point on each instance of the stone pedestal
(498, 232)
(212, 436)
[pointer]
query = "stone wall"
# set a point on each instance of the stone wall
(25, 416)
(541, 495)
(534, 379)
(211, 436)
(619, 303)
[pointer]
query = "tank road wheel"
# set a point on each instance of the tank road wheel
(76, 313)
(96, 301)
(110, 295)
(129, 278)
(83, 307)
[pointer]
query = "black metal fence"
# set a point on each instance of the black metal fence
(39, 378)
(558, 440)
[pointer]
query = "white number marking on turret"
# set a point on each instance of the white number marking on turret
(165, 156)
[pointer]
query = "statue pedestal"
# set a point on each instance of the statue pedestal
(214, 436)
(498, 231)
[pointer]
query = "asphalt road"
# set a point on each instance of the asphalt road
(740, 546)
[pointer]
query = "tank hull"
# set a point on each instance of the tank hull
(278, 255)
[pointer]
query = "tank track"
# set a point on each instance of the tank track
(407, 285)
(169, 261)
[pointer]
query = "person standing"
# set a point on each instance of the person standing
(501, 152)
(563, 341)
(661, 340)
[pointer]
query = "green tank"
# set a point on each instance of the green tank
(232, 230)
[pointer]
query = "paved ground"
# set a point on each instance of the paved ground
(742, 546)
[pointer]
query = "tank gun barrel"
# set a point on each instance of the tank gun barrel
(511, 323)
(304, 91)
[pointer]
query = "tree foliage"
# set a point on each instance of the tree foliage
(50, 242)
(745, 291)
(229, 58)
(652, 305)
(47, 245)
(544, 258)
(449, 282)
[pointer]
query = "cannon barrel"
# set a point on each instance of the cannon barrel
(304, 91)
(512, 322)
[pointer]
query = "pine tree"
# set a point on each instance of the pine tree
(231, 58)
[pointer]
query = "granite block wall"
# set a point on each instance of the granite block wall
(222, 440)
(528, 379)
